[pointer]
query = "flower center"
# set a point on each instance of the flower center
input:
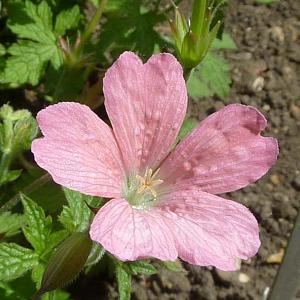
(140, 191)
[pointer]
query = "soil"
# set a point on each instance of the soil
(266, 74)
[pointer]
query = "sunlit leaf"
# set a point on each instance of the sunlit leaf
(124, 282)
(39, 227)
(15, 261)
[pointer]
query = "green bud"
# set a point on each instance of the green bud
(179, 28)
(193, 42)
(66, 263)
(25, 131)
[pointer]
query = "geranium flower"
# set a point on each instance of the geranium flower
(163, 199)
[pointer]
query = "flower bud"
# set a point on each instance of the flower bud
(66, 263)
(193, 39)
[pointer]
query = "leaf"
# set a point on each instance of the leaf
(36, 44)
(27, 62)
(141, 267)
(174, 266)
(15, 261)
(56, 295)
(18, 289)
(225, 43)
(67, 19)
(10, 223)
(39, 226)
(37, 274)
(124, 282)
(266, 1)
(187, 126)
(130, 27)
(11, 176)
(76, 216)
(2, 50)
(95, 256)
(210, 77)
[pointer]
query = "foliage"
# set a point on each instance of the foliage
(76, 216)
(266, 1)
(212, 76)
(17, 129)
(10, 224)
(37, 40)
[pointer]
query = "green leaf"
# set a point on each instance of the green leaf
(141, 267)
(12, 176)
(10, 223)
(36, 44)
(266, 1)
(25, 130)
(15, 261)
(210, 77)
(56, 295)
(129, 27)
(37, 274)
(95, 256)
(18, 289)
(187, 126)
(76, 216)
(67, 19)
(39, 226)
(27, 62)
(124, 282)
(174, 266)
(2, 50)
(225, 43)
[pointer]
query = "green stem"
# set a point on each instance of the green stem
(91, 26)
(4, 166)
(187, 73)
(27, 190)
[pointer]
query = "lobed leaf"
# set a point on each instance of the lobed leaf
(67, 19)
(210, 77)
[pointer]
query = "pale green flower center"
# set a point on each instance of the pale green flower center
(141, 191)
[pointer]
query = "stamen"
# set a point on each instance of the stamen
(148, 183)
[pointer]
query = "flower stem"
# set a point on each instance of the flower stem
(91, 26)
(27, 190)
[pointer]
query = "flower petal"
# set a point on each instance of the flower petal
(131, 234)
(224, 153)
(146, 104)
(78, 150)
(209, 230)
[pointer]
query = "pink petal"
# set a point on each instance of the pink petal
(132, 234)
(78, 150)
(224, 153)
(146, 105)
(209, 230)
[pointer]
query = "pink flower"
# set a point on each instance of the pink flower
(164, 203)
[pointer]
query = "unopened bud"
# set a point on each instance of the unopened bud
(193, 40)
(66, 263)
